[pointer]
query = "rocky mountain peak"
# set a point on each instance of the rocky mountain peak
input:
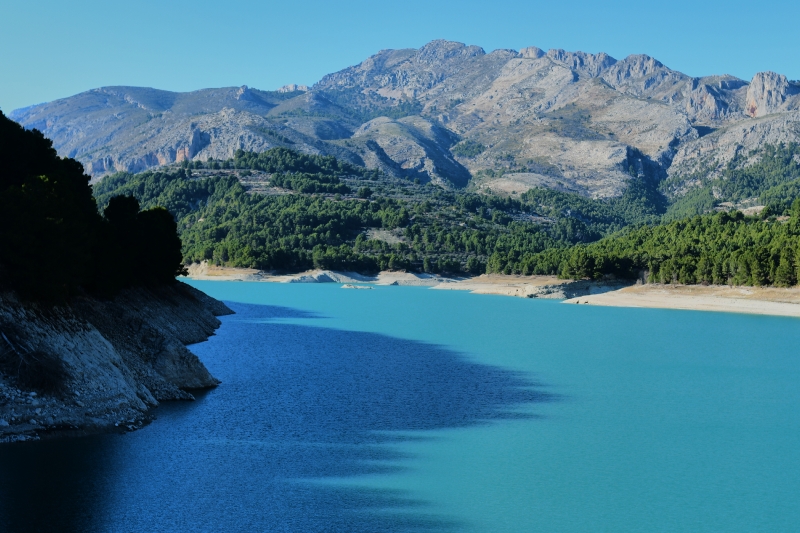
(714, 98)
(443, 113)
(532, 52)
(582, 63)
(243, 93)
(440, 50)
(644, 76)
(383, 60)
(293, 87)
(638, 66)
(768, 93)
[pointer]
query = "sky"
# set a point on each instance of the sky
(52, 49)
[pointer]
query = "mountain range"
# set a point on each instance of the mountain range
(453, 114)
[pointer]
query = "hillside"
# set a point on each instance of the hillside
(455, 115)
(288, 212)
(281, 210)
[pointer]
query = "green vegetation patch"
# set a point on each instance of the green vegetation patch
(724, 248)
(325, 223)
(274, 135)
(468, 149)
(772, 180)
(439, 231)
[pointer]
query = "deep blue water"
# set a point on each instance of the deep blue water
(407, 409)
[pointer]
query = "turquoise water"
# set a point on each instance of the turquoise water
(409, 409)
(667, 420)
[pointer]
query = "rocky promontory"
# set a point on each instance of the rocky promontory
(96, 365)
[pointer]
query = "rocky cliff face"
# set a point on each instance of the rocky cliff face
(770, 93)
(96, 365)
(417, 146)
(562, 118)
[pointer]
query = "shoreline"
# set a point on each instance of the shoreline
(772, 301)
(549, 287)
(92, 366)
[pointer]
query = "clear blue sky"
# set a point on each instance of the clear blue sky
(51, 49)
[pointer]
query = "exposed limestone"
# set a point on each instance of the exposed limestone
(712, 152)
(418, 146)
(543, 287)
(591, 65)
(102, 364)
(769, 93)
(532, 52)
(292, 87)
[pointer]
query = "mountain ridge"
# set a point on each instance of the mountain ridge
(576, 121)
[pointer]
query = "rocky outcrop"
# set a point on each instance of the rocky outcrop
(769, 93)
(710, 153)
(645, 77)
(532, 52)
(572, 289)
(95, 365)
(293, 87)
(591, 65)
(715, 98)
(418, 146)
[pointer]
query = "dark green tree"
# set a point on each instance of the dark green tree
(48, 218)
(53, 241)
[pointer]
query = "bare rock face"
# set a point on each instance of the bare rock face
(591, 65)
(559, 118)
(293, 87)
(532, 52)
(94, 364)
(711, 152)
(643, 76)
(418, 146)
(715, 98)
(769, 93)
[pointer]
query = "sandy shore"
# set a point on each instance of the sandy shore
(750, 300)
(521, 286)
(529, 286)
(205, 271)
(503, 285)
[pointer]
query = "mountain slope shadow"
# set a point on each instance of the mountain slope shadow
(296, 402)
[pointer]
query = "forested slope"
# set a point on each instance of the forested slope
(425, 228)
(724, 248)
(285, 211)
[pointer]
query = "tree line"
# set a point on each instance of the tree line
(723, 248)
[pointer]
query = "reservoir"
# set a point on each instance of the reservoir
(408, 409)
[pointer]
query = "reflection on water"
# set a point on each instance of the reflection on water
(297, 402)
